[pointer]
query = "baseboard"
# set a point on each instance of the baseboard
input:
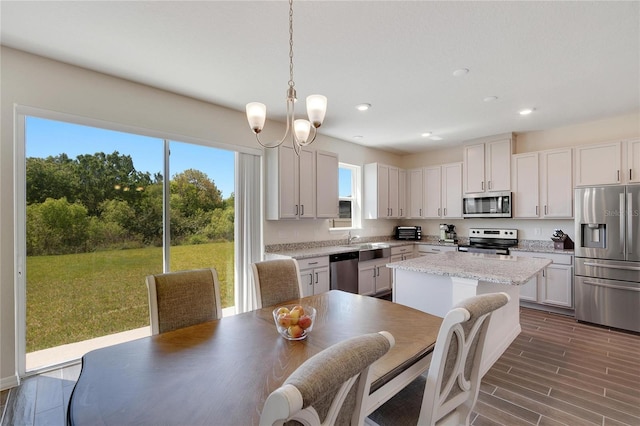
(9, 382)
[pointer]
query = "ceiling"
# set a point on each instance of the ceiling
(571, 61)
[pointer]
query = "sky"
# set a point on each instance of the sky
(50, 138)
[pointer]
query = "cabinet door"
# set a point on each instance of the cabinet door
(306, 281)
(288, 183)
(367, 278)
(326, 184)
(452, 191)
(320, 280)
(633, 161)
(598, 164)
(556, 184)
(307, 190)
(416, 192)
(383, 191)
(473, 168)
(393, 197)
(432, 192)
(402, 193)
(557, 286)
(498, 165)
(383, 277)
(525, 185)
(529, 291)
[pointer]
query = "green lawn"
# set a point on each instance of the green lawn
(76, 297)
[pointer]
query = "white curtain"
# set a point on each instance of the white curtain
(248, 228)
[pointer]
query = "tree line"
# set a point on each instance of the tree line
(101, 202)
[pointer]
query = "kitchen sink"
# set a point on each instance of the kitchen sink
(369, 251)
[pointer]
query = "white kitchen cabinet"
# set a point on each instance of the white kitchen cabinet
(542, 184)
(432, 201)
(632, 170)
(525, 185)
(452, 191)
(402, 193)
(415, 193)
(556, 184)
(381, 188)
(314, 275)
(327, 203)
(487, 166)
(553, 286)
(374, 277)
(429, 249)
(399, 253)
(599, 164)
(292, 186)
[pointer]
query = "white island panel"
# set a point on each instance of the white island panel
(436, 283)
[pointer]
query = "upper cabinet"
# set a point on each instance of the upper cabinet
(487, 166)
(415, 193)
(381, 191)
(608, 163)
(542, 184)
(327, 204)
(599, 164)
(436, 192)
(402, 193)
(292, 189)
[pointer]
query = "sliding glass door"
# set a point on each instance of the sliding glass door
(103, 209)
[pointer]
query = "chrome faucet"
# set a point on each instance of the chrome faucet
(350, 238)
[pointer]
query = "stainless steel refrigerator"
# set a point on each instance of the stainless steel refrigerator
(607, 256)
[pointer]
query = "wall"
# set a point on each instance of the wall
(34, 81)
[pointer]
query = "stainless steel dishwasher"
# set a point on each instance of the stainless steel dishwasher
(344, 271)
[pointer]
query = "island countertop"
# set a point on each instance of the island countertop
(492, 268)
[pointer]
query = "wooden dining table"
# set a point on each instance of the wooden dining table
(221, 372)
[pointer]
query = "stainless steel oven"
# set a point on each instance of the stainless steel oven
(490, 241)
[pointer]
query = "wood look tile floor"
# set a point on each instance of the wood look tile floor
(556, 372)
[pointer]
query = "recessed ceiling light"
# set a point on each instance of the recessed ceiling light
(435, 138)
(357, 137)
(490, 98)
(526, 111)
(426, 134)
(363, 107)
(459, 72)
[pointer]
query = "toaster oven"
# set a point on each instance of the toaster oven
(408, 232)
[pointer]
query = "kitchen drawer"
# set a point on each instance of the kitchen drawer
(559, 259)
(401, 249)
(434, 249)
(313, 262)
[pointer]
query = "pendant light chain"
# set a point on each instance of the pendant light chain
(291, 83)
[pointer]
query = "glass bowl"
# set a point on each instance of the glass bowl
(294, 322)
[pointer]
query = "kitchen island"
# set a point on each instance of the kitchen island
(435, 283)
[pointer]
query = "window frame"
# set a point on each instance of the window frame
(356, 198)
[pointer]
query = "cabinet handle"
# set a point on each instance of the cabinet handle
(310, 279)
(445, 211)
(536, 210)
(316, 278)
(629, 174)
(438, 211)
(482, 185)
(489, 184)
(302, 208)
(297, 212)
(545, 209)
(312, 263)
(420, 212)
(390, 211)
(400, 212)
(618, 175)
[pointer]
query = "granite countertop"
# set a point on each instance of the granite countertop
(326, 248)
(483, 267)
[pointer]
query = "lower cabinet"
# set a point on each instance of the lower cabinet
(399, 253)
(374, 277)
(553, 285)
(314, 275)
(427, 249)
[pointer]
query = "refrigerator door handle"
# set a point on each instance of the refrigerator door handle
(629, 223)
(621, 216)
(619, 287)
(602, 265)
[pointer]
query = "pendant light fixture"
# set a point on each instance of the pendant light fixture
(300, 129)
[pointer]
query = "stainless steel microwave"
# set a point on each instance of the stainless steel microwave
(490, 204)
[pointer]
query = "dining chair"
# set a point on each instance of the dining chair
(449, 391)
(328, 388)
(276, 281)
(183, 298)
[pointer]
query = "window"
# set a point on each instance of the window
(349, 195)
